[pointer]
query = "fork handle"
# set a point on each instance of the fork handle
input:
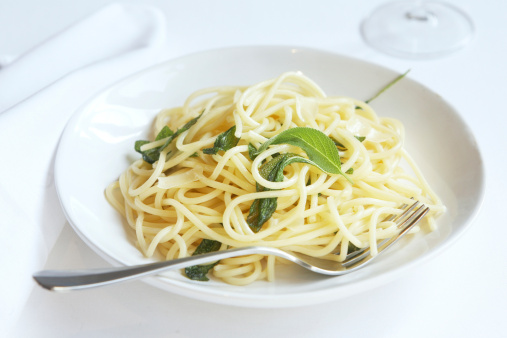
(68, 280)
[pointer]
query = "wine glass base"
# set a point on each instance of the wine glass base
(417, 29)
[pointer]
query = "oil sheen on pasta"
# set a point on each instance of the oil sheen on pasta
(188, 195)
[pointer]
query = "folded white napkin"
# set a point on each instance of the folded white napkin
(110, 32)
(43, 89)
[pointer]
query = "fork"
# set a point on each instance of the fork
(68, 280)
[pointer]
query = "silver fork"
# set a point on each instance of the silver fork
(67, 280)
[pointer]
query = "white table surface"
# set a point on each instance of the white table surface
(460, 293)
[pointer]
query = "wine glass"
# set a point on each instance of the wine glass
(417, 29)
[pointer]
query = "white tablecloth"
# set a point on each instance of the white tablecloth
(461, 293)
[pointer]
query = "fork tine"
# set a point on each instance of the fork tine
(410, 223)
(393, 218)
(407, 220)
(408, 214)
(396, 218)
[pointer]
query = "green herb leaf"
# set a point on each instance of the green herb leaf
(252, 151)
(398, 78)
(351, 248)
(319, 147)
(273, 170)
(224, 142)
(342, 147)
(180, 131)
(152, 155)
(139, 144)
(163, 133)
(339, 145)
(199, 272)
(262, 209)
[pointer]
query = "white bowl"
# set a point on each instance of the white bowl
(97, 145)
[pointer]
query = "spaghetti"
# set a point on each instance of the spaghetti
(201, 183)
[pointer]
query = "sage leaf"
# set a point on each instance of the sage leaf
(319, 147)
(199, 272)
(342, 147)
(262, 209)
(163, 133)
(260, 212)
(273, 170)
(351, 248)
(180, 131)
(224, 142)
(152, 155)
(252, 151)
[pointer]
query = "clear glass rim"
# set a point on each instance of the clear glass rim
(417, 55)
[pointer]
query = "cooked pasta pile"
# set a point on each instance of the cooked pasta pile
(201, 180)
